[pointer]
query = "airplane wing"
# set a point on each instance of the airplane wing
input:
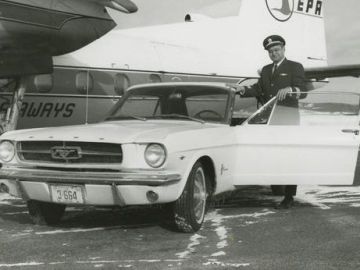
(125, 6)
(32, 33)
(320, 73)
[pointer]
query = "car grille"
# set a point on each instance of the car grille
(69, 152)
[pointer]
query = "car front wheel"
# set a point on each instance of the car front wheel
(189, 210)
(45, 213)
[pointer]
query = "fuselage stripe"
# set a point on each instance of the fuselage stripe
(150, 72)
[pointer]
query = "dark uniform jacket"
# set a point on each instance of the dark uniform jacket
(288, 74)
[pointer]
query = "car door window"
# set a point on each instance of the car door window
(310, 109)
(262, 116)
(317, 109)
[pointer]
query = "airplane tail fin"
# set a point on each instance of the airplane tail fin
(300, 22)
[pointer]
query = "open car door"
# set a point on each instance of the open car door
(307, 139)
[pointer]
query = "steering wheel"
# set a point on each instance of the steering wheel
(217, 115)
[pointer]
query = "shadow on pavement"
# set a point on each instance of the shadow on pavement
(15, 210)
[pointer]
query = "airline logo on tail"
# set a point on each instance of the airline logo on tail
(282, 10)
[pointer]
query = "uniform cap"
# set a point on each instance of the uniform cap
(273, 40)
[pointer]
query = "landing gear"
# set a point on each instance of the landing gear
(11, 119)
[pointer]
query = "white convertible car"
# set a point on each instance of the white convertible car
(179, 144)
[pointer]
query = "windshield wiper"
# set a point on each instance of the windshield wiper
(180, 116)
(118, 117)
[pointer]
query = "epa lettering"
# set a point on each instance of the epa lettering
(310, 6)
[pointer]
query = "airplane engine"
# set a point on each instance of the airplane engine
(30, 34)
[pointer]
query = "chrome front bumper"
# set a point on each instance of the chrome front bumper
(100, 188)
(131, 177)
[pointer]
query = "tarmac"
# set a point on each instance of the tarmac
(242, 231)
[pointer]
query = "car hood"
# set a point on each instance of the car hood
(114, 131)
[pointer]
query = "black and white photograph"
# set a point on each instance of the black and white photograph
(171, 135)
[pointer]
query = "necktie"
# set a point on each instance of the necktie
(274, 68)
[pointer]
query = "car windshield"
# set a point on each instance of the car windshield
(312, 108)
(189, 103)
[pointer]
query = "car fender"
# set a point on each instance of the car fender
(191, 159)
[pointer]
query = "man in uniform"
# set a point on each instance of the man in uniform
(280, 78)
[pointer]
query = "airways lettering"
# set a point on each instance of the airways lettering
(48, 109)
(33, 110)
(69, 110)
(313, 7)
(59, 107)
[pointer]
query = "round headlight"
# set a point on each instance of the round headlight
(7, 151)
(155, 155)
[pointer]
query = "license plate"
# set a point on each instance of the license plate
(67, 194)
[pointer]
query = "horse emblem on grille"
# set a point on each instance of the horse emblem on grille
(65, 153)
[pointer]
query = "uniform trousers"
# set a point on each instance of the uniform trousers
(290, 190)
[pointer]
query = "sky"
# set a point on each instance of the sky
(342, 24)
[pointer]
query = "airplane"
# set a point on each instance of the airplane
(62, 62)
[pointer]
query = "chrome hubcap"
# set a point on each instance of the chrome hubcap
(199, 195)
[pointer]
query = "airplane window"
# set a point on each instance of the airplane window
(176, 79)
(121, 83)
(64, 81)
(44, 83)
(84, 82)
(155, 78)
